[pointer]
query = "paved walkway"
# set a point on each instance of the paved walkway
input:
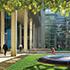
(8, 56)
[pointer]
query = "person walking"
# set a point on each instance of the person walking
(5, 47)
(20, 47)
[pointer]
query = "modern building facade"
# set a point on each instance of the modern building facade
(22, 27)
(44, 30)
(55, 30)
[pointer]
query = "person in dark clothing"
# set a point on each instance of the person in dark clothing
(5, 47)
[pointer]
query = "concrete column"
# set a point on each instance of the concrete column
(43, 31)
(30, 33)
(14, 33)
(36, 36)
(25, 30)
(39, 36)
(2, 28)
(34, 39)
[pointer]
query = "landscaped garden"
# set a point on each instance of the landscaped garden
(30, 63)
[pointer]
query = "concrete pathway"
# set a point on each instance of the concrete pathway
(8, 56)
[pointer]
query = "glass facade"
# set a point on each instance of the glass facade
(8, 30)
(57, 31)
(50, 31)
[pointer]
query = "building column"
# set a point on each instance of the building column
(14, 33)
(39, 36)
(42, 31)
(2, 29)
(25, 30)
(34, 38)
(30, 32)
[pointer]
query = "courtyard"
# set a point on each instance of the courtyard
(29, 61)
(34, 35)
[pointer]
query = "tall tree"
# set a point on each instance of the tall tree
(63, 6)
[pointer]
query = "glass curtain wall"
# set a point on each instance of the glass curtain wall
(50, 31)
(57, 31)
(8, 29)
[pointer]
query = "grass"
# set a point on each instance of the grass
(30, 63)
(26, 62)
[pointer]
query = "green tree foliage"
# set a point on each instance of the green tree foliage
(63, 6)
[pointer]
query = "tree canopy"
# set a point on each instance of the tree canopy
(62, 6)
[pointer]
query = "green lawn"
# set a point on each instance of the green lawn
(30, 63)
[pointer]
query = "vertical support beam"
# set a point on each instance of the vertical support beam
(34, 38)
(30, 33)
(2, 28)
(42, 30)
(39, 36)
(25, 30)
(14, 33)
